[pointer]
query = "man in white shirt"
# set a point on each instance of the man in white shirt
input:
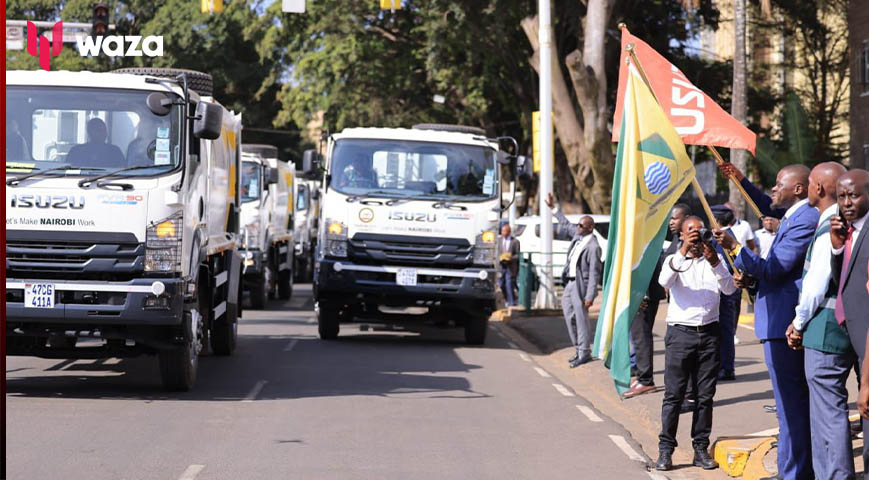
(696, 276)
(829, 356)
(766, 235)
(741, 230)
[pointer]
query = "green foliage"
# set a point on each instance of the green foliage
(796, 146)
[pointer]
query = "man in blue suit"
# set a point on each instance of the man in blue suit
(778, 279)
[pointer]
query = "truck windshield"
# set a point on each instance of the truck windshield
(98, 129)
(251, 179)
(414, 169)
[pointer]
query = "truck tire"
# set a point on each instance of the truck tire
(476, 327)
(328, 321)
(224, 332)
(199, 82)
(178, 366)
(285, 285)
(259, 292)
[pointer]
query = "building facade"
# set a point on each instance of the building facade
(858, 40)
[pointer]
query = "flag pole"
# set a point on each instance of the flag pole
(694, 183)
(748, 199)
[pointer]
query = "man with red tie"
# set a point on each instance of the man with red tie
(849, 236)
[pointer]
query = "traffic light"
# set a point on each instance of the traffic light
(100, 25)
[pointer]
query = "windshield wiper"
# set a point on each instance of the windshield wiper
(449, 205)
(87, 181)
(354, 198)
(16, 180)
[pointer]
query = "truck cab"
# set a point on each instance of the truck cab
(409, 226)
(121, 218)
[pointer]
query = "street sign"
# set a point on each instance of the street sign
(71, 37)
(390, 4)
(211, 6)
(14, 38)
(293, 6)
(535, 141)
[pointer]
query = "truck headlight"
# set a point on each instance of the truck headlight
(484, 249)
(251, 236)
(336, 239)
(163, 245)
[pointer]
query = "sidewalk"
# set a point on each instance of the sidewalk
(739, 412)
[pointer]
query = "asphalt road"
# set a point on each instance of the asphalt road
(377, 404)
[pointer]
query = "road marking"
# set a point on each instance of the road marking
(312, 320)
(513, 345)
(255, 391)
(543, 373)
(292, 344)
(562, 390)
(626, 448)
(498, 332)
(524, 356)
(746, 326)
(764, 433)
(589, 413)
(191, 472)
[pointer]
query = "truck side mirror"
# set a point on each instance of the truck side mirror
(310, 161)
(271, 176)
(208, 121)
(315, 194)
(524, 167)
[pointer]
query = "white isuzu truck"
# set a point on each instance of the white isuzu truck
(409, 227)
(266, 226)
(122, 217)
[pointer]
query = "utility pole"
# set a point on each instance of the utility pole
(546, 164)
(739, 107)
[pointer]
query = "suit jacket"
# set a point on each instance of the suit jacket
(589, 266)
(513, 264)
(855, 298)
(779, 276)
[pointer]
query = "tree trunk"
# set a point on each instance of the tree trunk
(739, 107)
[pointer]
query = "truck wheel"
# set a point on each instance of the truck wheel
(259, 294)
(178, 366)
(475, 329)
(224, 333)
(285, 285)
(327, 321)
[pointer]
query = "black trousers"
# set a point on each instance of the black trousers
(641, 334)
(689, 353)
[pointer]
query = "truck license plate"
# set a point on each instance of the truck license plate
(39, 295)
(406, 276)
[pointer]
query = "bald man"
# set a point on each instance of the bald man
(778, 279)
(849, 237)
(829, 356)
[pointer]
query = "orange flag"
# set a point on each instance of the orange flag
(697, 118)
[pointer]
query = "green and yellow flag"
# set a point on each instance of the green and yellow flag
(652, 170)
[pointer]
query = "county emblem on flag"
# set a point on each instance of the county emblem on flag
(652, 170)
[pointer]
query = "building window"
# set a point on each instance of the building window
(864, 64)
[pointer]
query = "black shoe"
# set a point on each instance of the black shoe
(573, 358)
(774, 477)
(726, 376)
(579, 361)
(688, 406)
(769, 408)
(703, 460)
(665, 461)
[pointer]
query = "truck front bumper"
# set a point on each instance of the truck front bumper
(140, 301)
(341, 279)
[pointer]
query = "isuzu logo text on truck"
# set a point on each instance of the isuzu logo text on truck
(27, 200)
(413, 217)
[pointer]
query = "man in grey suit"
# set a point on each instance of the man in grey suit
(580, 276)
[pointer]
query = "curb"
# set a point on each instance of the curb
(743, 456)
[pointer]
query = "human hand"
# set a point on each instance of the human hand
(863, 401)
(587, 303)
(730, 170)
(710, 255)
(795, 338)
(741, 279)
(838, 231)
(724, 239)
(550, 201)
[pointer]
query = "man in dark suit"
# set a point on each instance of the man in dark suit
(778, 279)
(509, 264)
(581, 275)
(848, 236)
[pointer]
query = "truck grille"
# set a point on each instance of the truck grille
(73, 255)
(366, 248)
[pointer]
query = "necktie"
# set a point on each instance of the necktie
(840, 305)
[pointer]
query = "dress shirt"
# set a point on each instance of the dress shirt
(505, 244)
(764, 241)
(573, 258)
(858, 226)
(816, 281)
(794, 208)
(694, 293)
(742, 231)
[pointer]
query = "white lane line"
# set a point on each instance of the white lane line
(764, 433)
(589, 413)
(191, 472)
(292, 344)
(746, 326)
(543, 373)
(626, 448)
(562, 390)
(312, 320)
(524, 356)
(497, 332)
(513, 345)
(255, 391)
